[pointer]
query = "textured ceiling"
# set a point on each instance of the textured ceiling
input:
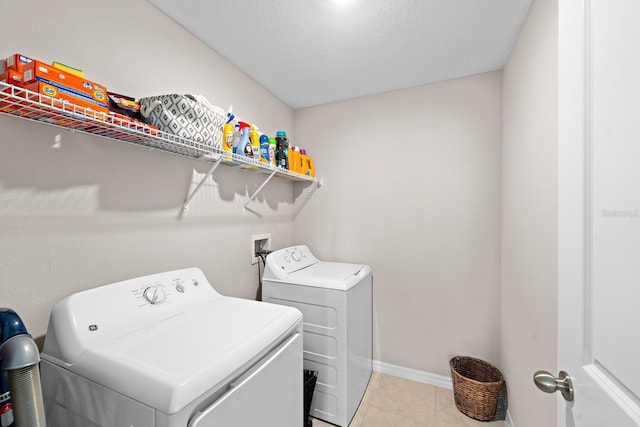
(310, 52)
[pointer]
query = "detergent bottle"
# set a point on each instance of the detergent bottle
(295, 160)
(227, 134)
(236, 138)
(264, 149)
(227, 139)
(254, 136)
(282, 149)
(308, 168)
(244, 146)
(272, 152)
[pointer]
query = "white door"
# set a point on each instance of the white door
(599, 211)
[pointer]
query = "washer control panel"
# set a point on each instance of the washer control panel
(285, 261)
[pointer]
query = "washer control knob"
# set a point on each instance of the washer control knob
(295, 257)
(287, 259)
(154, 295)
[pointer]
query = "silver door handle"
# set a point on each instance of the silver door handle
(550, 384)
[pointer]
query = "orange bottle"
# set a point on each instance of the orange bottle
(295, 160)
(307, 168)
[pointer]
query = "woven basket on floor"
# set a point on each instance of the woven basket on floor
(476, 387)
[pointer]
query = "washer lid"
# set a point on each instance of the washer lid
(329, 275)
(297, 265)
(174, 359)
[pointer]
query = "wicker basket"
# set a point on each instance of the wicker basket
(476, 387)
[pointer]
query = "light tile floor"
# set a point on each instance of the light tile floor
(396, 402)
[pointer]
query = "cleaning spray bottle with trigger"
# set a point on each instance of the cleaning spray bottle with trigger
(244, 146)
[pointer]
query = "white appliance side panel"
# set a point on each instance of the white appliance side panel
(73, 401)
(271, 395)
(324, 322)
(359, 343)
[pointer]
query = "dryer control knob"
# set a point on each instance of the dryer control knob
(154, 295)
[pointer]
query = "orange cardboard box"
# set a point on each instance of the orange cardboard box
(54, 91)
(17, 62)
(67, 83)
(11, 77)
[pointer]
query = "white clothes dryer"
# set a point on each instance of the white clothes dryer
(167, 350)
(335, 300)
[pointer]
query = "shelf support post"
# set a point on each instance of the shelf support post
(253, 196)
(195, 190)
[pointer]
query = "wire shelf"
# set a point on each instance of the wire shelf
(25, 104)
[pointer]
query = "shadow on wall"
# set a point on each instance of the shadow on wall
(52, 170)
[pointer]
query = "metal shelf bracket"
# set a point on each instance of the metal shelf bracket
(195, 190)
(253, 196)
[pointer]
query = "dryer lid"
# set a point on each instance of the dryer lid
(164, 356)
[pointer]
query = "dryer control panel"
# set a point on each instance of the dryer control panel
(101, 314)
(288, 260)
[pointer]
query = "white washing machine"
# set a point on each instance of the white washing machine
(167, 350)
(335, 300)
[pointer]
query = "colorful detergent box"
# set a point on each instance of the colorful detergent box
(11, 77)
(55, 91)
(67, 83)
(17, 62)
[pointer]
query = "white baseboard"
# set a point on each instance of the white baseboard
(423, 377)
(508, 421)
(413, 374)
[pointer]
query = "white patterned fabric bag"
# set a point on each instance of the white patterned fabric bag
(189, 116)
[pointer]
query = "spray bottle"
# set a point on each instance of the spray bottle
(244, 146)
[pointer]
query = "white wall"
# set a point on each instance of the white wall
(93, 211)
(529, 216)
(412, 187)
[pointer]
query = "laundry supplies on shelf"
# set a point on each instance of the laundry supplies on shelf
(189, 116)
(186, 125)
